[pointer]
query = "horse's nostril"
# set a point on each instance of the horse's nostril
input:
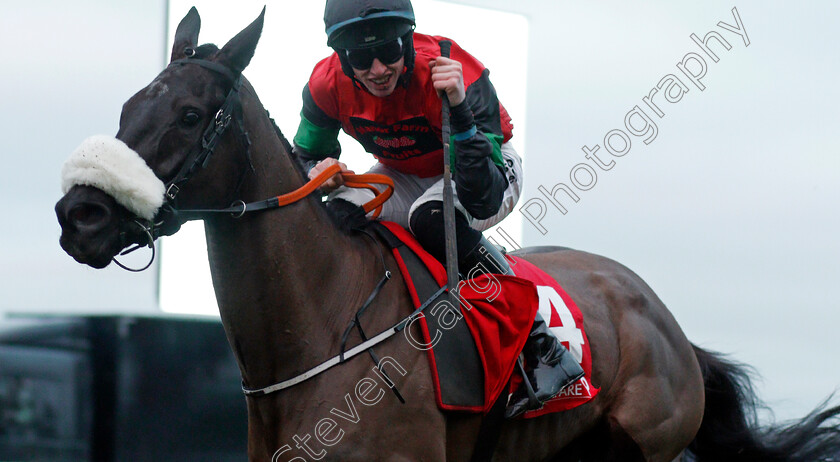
(88, 215)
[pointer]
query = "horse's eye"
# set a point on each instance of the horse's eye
(190, 118)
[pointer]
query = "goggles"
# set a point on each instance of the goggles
(387, 53)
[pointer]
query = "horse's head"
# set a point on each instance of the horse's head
(118, 189)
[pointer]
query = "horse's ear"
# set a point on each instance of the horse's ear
(237, 53)
(186, 36)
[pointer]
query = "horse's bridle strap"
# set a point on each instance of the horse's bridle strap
(343, 357)
(214, 131)
(210, 65)
(210, 138)
(350, 180)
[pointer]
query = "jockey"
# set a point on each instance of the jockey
(383, 87)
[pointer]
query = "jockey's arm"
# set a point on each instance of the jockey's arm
(479, 182)
(479, 176)
(316, 142)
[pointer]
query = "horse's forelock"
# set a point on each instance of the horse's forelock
(205, 51)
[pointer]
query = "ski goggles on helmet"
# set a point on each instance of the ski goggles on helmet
(387, 53)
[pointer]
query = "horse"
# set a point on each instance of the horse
(288, 280)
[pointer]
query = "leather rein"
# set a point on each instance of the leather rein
(240, 208)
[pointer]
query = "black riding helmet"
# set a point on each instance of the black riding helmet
(357, 24)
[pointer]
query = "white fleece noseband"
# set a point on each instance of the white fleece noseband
(107, 163)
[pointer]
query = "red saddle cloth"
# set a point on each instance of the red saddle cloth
(499, 311)
(565, 321)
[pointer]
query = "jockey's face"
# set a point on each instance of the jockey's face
(381, 79)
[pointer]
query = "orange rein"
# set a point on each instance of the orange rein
(350, 180)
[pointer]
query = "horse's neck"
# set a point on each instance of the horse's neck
(284, 279)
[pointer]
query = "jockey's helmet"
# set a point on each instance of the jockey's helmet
(359, 24)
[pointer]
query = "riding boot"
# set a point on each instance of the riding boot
(548, 366)
(427, 225)
(484, 257)
(548, 369)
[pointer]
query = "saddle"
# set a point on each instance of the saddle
(472, 349)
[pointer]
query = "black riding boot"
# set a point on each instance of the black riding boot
(549, 367)
(484, 257)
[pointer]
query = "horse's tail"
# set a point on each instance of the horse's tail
(730, 431)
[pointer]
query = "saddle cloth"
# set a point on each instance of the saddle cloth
(565, 321)
(472, 350)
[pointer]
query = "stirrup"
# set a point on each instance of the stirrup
(533, 401)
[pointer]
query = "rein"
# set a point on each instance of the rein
(153, 230)
(240, 208)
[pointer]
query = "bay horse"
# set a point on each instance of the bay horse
(288, 281)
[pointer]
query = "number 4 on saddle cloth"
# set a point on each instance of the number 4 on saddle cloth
(472, 351)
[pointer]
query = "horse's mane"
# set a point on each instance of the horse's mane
(208, 50)
(338, 220)
(287, 146)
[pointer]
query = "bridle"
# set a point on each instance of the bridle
(168, 219)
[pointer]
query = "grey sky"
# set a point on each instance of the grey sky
(731, 213)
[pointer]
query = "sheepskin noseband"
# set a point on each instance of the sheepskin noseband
(108, 164)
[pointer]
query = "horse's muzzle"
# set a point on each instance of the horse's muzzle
(91, 223)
